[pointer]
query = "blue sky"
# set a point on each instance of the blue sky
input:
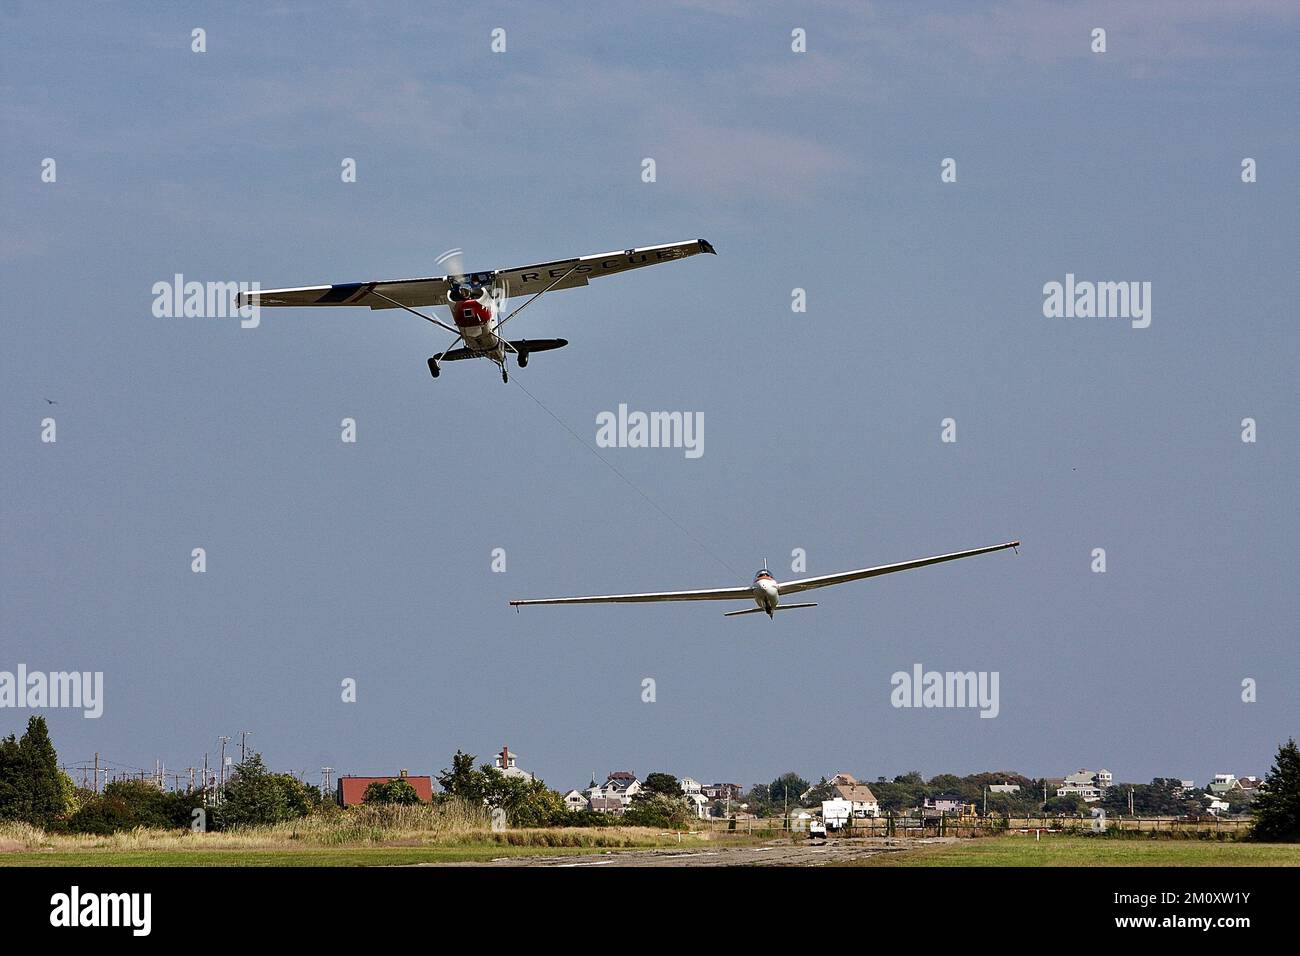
(818, 170)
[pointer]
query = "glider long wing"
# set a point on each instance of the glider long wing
(825, 580)
(519, 280)
(714, 594)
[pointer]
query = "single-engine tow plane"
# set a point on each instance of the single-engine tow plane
(476, 300)
(766, 591)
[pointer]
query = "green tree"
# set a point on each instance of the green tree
(662, 783)
(462, 781)
(819, 792)
(393, 791)
(759, 799)
(786, 790)
(254, 796)
(103, 814)
(1066, 803)
(127, 804)
(530, 803)
(527, 801)
(659, 810)
(1277, 807)
(71, 796)
(1163, 796)
(31, 788)
(947, 783)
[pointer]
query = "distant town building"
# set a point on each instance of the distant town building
(615, 794)
(861, 800)
(1224, 783)
(690, 786)
(575, 800)
(1088, 784)
(352, 790)
(699, 803)
(1250, 785)
(722, 791)
(1004, 788)
(505, 762)
(948, 803)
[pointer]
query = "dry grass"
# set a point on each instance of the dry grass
(21, 836)
(450, 824)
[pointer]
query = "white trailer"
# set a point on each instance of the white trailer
(836, 813)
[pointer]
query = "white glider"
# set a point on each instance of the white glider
(765, 591)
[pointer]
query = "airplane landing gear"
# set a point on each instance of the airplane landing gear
(505, 373)
(433, 366)
(523, 360)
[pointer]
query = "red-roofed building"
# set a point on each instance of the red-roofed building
(352, 790)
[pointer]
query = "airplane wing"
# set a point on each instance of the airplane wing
(520, 280)
(528, 280)
(825, 580)
(715, 594)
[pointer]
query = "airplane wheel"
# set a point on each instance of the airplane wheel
(433, 367)
(523, 360)
(505, 376)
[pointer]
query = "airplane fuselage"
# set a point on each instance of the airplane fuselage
(476, 319)
(767, 595)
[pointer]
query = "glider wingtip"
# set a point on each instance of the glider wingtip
(708, 247)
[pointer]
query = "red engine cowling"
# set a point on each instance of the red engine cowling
(471, 313)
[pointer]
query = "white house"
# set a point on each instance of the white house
(1224, 783)
(575, 801)
(505, 762)
(614, 795)
(1085, 784)
(700, 804)
(690, 786)
(862, 801)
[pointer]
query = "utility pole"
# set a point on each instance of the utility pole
(222, 786)
(325, 781)
(243, 737)
(97, 771)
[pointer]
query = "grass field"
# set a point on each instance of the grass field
(301, 856)
(1022, 850)
(405, 836)
(392, 836)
